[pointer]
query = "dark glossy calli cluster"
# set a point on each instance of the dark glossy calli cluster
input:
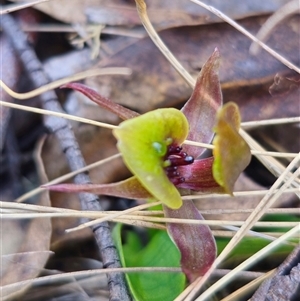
(174, 158)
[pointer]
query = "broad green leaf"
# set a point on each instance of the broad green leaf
(251, 245)
(248, 247)
(143, 142)
(231, 153)
(201, 108)
(159, 252)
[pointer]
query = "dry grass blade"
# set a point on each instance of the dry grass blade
(57, 114)
(14, 7)
(19, 207)
(237, 193)
(113, 216)
(281, 14)
(60, 82)
(142, 10)
(248, 288)
(253, 124)
(249, 35)
(118, 214)
(274, 166)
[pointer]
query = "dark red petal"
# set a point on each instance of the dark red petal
(198, 176)
(195, 242)
(201, 108)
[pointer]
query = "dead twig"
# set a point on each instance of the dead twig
(62, 129)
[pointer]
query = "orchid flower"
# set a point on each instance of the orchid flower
(164, 167)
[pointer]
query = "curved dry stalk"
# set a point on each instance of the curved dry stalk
(249, 193)
(280, 15)
(142, 11)
(241, 29)
(253, 151)
(57, 114)
(15, 7)
(63, 81)
(257, 123)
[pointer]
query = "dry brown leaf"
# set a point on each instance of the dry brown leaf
(18, 267)
(25, 247)
(10, 69)
(65, 11)
(245, 79)
(164, 14)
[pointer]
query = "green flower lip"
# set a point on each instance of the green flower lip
(145, 143)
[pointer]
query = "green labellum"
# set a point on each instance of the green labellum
(143, 142)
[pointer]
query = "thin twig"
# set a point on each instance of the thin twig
(62, 129)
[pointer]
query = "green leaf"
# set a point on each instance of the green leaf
(248, 247)
(159, 252)
(232, 154)
(251, 245)
(143, 142)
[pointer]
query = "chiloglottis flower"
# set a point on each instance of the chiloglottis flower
(152, 147)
